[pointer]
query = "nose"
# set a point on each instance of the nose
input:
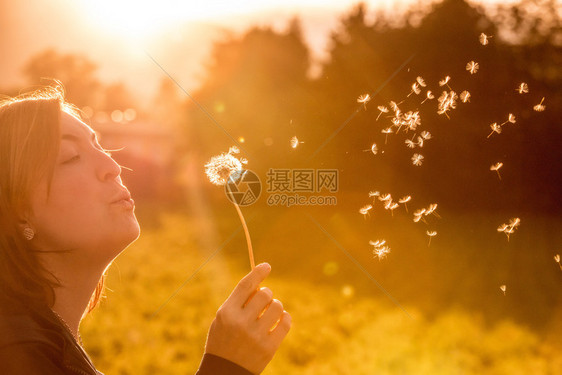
(107, 168)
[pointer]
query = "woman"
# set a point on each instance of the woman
(64, 216)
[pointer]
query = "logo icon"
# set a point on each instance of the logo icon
(243, 187)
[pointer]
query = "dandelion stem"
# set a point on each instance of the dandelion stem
(247, 233)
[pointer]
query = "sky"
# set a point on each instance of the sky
(118, 34)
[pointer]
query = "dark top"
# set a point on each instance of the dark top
(33, 341)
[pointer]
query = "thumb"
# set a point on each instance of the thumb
(248, 285)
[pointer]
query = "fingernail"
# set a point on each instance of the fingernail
(265, 266)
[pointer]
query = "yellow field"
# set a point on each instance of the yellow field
(342, 324)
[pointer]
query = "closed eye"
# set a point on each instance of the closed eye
(71, 160)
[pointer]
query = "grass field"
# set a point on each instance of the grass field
(452, 318)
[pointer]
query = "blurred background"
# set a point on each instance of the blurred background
(173, 83)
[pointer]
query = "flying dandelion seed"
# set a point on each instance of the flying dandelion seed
(465, 96)
(374, 149)
(382, 110)
(415, 89)
(364, 99)
(472, 67)
(421, 81)
(523, 88)
(540, 107)
(404, 200)
(447, 101)
(503, 288)
(445, 81)
(410, 143)
(484, 39)
(295, 142)
(557, 260)
(244, 161)
(374, 194)
(496, 167)
(380, 249)
(509, 228)
(431, 235)
(431, 209)
(390, 205)
(386, 132)
(511, 118)
(219, 171)
(386, 197)
(420, 141)
(425, 135)
(417, 160)
(365, 210)
(394, 106)
(495, 129)
(429, 96)
(418, 215)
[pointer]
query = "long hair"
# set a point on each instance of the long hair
(29, 144)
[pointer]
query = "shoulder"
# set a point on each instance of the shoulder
(30, 358)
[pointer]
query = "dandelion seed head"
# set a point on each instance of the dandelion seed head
(294, 142)
(484, 39)
(472, 67)
(221, 167)
(496, 166)
(447, 101)
(509, 228)
(523, 88)
(540, 107)
(444, 81)
(417, 160)
(380, 249)
(425, 135)
(364, 98)
(421, 81)
(405, 199)
(465, 96)
(365, 209)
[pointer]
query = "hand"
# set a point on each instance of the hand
(240, 332)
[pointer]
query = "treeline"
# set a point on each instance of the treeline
(258, 89)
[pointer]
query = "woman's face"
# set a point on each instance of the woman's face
(87, 210)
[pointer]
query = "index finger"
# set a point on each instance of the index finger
(249, 284)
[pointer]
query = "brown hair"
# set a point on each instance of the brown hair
(29, 144)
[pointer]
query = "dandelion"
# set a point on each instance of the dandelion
(557, 260)
(365, 210)
(404, 200)
(380, 249)
(496, 167)
(220, 170)
(382, 110)
(421, 81)
(484, 39)
(425, 135)
(503, 288)
(412, 120)
(445, 81)
(472, 67)
(465, 96)
(415, 89)
(410, 143)
(523, 88)
(417, 160)
(429, 95)
(495, 129)
(364, 99)
(540, 107)
(431, 235)
(295, 142)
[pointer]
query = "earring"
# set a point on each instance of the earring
(28, 233)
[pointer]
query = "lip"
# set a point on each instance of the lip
(124, 198)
